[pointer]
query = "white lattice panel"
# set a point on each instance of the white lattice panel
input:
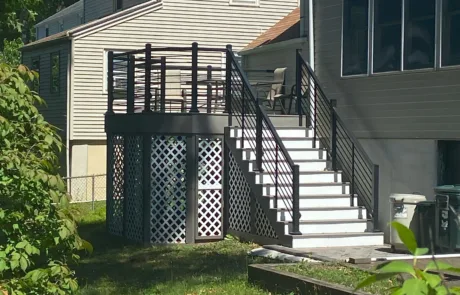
(116, 189)
(168, 189)
(134, 194)
(239, 199)
(209, 187)
(263, 226)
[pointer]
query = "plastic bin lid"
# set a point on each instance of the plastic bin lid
(407, 198)
(448, 189)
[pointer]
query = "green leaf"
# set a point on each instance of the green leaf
(374, 278)
(85, 245)
(14, 264)
(435, 265)
(397, 267)
(415, 286)
(421, 251)
(24, 263)
(406, 236)
(3, 265)
(49, 139)
(73, 285)
(21, 245)
(433, 280)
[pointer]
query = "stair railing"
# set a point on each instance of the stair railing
(345, 151)
(260, 136)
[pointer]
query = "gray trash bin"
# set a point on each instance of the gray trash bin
(403, 211)
(448, 218)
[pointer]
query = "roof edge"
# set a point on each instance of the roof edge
(275, 46)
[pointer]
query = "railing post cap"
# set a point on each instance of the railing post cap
(195, 44)
(148, 45)
(229, 46)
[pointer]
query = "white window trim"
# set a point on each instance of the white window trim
(249, 3)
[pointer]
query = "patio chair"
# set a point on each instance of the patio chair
(174, 93)
(276, 92)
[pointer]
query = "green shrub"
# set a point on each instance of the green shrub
(11, 53)
(419, 281)
(38, 233)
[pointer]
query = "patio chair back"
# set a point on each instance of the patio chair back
(173, 85)
(277, 87)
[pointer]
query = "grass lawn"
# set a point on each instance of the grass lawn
(118, 267)
(339, 274)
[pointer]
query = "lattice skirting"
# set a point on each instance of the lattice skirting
(245, 213)
(115, 185)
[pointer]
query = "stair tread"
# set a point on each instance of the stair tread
(324, 208)
(328, 221)
(318, 196)
(289, 149)
(303, 172)
(295, 161)
(278, 128)
(282, 137)
(337, 235)
(311, 184)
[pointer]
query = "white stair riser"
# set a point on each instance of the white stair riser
(303, 178)
(324, 214)
(289, 144)
(316, 202)
(269, 190)
(329, 228)
(303, 166)
(300, 133)
(295, 155)
(321, 242)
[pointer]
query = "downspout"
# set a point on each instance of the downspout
(311, 34)
(69, 102)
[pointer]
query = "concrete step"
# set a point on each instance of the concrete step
(297, 132)
(296, 154)
(315, 201)
(304, 165)
(307, 189)
(304, 177)
(320, 214)
(289, 142)
(329, 226)
(337, 240)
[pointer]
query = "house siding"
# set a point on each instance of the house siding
(131, 3)
(402, 105)
(95, 9)
(55, 111)
(211, 23)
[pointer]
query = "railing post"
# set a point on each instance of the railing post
(298, 85)
(315, 105)
(352, 190)
(228, 84)
(276, 177)
(209, 89)
(375, 192)
(259, 135)
(295, 201)
(163, 84)
(243, 115)
(110, 83)
(130, 86)
(148, 78)
(92, 191)
(333, 135)
(194, 108)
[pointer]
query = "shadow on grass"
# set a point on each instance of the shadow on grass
(125, 267)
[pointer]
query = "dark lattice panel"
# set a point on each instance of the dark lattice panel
(210, 187)
(116, 191)
(239, 199)
(134, 195)
(168, 189)
(263, 225)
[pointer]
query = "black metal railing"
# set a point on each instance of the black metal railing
(345, 151)
(260, 136)
(167, 79)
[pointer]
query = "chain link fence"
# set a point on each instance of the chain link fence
(87, 189)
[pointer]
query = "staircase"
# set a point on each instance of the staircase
(294, 171)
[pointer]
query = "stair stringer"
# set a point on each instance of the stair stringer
(257, 190)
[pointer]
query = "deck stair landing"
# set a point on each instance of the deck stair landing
(327, 217)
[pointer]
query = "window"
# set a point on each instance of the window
(55, 72)
(61, 26)
(419, 34)
(118, 4)
(36, 68)
(387, 35)
(47, 32)
(355, 37)
(450, 31)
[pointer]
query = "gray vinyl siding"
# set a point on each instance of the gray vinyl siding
(95, 9)
(211, 23)
(403, 105)
(55, 111)
(131, 3)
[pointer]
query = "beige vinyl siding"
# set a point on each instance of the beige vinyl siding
(211, 23)
(404, 105)
(95, 9)
(55, 111)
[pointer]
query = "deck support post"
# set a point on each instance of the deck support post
(148, 78)
(228, 85)
(194, 108)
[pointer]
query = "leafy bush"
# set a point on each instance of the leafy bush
(11, 53)
(420, 281)
(38, 233)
